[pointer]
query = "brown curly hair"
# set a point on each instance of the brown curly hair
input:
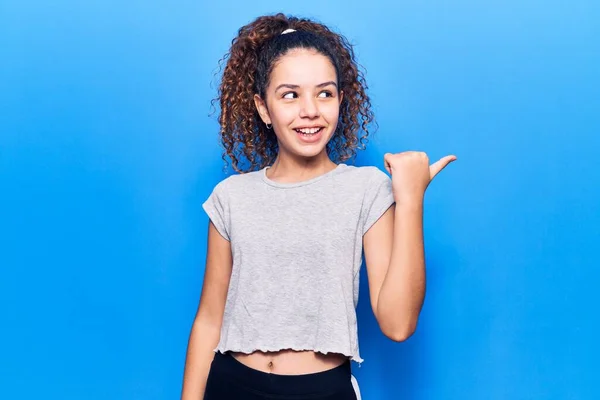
(248, 65)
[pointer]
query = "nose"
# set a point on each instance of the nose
(309, 108)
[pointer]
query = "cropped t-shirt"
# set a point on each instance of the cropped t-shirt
(297, 252)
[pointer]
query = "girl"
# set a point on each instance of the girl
(286, 235)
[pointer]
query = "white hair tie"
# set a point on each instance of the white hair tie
(288, 31)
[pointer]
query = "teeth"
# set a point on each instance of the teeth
(309, 131)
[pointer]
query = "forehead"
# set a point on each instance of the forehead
(303, 67)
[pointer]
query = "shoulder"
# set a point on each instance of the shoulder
(368, 175)
(237, 181)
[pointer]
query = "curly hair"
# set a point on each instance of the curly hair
(249, 62)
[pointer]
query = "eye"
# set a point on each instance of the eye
(325, 93)
(289, 95)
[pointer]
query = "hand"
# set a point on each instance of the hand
(411, 173)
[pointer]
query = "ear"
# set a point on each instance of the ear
(341, 96)
(261, 107)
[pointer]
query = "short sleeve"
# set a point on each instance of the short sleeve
(378, 198)
(217, 209)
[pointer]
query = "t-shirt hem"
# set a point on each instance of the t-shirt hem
(222, 349)
(377, 215)
(212, 213)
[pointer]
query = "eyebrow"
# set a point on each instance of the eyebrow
(290, 86)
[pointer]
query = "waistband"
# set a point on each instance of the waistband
(330, 381)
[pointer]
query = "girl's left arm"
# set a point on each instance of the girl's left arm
(393, 246)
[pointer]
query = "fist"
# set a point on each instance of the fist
(411, 173)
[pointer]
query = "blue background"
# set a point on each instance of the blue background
(107, 152)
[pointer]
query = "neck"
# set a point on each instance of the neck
(290, 170)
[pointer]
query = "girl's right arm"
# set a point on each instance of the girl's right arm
(206, 329)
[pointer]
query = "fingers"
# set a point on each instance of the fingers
(439, 165)
(391, 159)
(386, 162)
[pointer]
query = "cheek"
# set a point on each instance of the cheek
(331, 112)
(283, 115)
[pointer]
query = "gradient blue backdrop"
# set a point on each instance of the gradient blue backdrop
(107, 151)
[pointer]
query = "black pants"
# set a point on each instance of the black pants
(230, 379)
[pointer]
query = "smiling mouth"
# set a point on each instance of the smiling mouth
(309, 131)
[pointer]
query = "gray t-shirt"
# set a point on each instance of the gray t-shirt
(297, 252)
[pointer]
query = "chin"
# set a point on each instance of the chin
(311, 149)
(294, 145)
(312, 154)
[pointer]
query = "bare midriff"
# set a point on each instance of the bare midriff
(291, 362)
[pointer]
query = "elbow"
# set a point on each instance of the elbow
(401, 333)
